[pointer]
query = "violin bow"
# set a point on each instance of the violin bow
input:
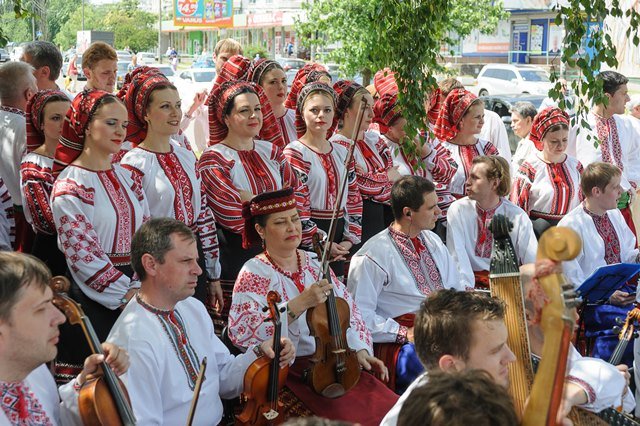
(196, 391)
(334, 216)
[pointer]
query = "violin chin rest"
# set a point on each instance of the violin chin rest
(334, 390)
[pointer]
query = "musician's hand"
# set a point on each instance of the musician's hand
(245, 195)
(215, 299)
(410, 338)
(317, 293)
(337, 252)
(622, 298)
(117, 358)
(393, 174)
(287, 350)
(373, 364)
(624, 370)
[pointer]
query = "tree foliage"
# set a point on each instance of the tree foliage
(12, 20)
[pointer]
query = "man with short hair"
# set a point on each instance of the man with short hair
(225, 48)
(168, 333)
(522, 115)
(613, 138)
(493, 129)
(459, 331)
(46, 60)
(100, 66)
(28, 336)
(17, 86)
(397, 268)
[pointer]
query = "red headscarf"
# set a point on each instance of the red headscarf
(236, 69)
(258, 67)
(71, 143)
(35, 106)
(453, 109)
(385, 82)
(139, 84)
(385, 111)
(307, 74)
(345, 91)
(301, 126)
(263, 204)
(435, 103)
(543, 121)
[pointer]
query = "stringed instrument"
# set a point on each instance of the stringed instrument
(103, 399)
(334, 366)
(264, 378)
(627, 333)
(504, 283)
(196, 391)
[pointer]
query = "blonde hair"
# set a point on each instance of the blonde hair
(228, 45)
(497, 168)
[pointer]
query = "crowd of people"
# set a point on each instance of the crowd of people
(173, 246)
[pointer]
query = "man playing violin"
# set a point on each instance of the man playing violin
(396, 269)
(168, 333)
(28, 336)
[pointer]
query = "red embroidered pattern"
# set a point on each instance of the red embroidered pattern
(609, 141)
(124, 211)
(260, 177)
(74, 189)
(607, 232)
(248, 282)
(467, 154)
(182, 187)
(37, 185)
(563, 189)
(21, 406)
(419, 261)
(485, 239)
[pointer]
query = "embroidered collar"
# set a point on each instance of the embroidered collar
(13, 110)
(592, 214)
(400, 236)
(151, 308)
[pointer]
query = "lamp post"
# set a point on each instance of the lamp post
(160, 31)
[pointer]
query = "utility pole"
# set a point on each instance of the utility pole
(160, 31)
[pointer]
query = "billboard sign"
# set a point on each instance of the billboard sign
(203, 13)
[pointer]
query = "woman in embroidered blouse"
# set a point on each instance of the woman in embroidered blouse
(236, 167)
(295, 274)
(97, 207)
(45, 115)
(321, 167)
(459, 121)
(547, 185)
(168, 173)
(469, 239)
(374, 167)
(271, 77)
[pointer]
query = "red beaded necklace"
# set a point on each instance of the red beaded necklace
(296, 277)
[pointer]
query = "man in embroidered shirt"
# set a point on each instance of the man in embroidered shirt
(28, 336)
(46, 60)
(397, 268)
(613, 137)
(459, 331)
(168, 333)
(17, 86)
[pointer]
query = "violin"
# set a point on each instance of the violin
(264, 378)
(626, 334)
(103, 399)
(334, 366)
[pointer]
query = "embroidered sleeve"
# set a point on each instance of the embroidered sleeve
(209, 238)
(521, 189)
(222, 195)
(402, 335)
(36, 194)
(246, 319)
(90, 267)
(353, 222)
(7, 224)
(490, 149)
(441, 165)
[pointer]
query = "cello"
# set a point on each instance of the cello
(334, 366)
(264, 378)
(103, 399)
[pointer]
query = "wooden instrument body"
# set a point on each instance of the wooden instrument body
(96, 405)
(334, 366)
(258, 409)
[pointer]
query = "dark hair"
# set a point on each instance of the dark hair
(497, 168)
(154, 238)
(232, 100)
(272, 66)
(18, 270)
(162, 86)
(525, 109)
(444, 322)
(458, 399)
(408, 191)
(597, 175)
(556, 127)
(44, 53)
(51, 99)
(448, 84)
(611, 81)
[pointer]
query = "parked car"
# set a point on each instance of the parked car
(501, 105)
(124, 55)
(4, 55)
(65, 67)
(166, 70)
(291, 63)
(196, 79)
(123, 68)
(498, 79)
(146, 58)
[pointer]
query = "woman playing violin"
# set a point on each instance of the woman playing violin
(273, 219)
